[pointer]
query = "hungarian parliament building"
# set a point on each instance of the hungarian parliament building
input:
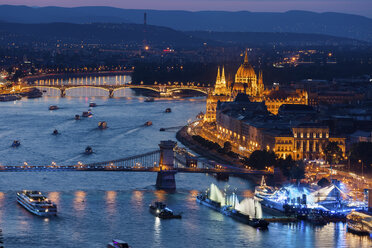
(254, 118)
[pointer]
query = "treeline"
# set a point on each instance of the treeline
(259, 160)
(148, 73)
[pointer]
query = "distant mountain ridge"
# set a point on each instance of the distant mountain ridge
(162, 37)
(336, 24)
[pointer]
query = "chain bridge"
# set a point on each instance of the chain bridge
(166, 161)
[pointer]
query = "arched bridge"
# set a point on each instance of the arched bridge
(167, 161)
(163, 90)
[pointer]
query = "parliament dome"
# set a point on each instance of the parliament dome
(246, 70)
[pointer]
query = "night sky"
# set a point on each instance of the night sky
(361, 7)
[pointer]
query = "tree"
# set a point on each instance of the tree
(260, 159)
(323, 182)
(362, 151)
(333, 153)
(227, 147)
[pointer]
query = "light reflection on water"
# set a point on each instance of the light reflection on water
(79, 200)
(94, 207)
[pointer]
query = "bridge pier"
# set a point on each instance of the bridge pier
(63, 92)
(166, 176)
(111, 93)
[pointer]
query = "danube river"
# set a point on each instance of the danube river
(94, 207)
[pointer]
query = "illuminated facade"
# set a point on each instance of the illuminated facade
(275, 98)
(220, 93)
(247, 82)
(250, 127)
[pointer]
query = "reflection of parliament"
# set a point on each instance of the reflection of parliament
(254, 118)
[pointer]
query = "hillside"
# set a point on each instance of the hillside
(336, 24)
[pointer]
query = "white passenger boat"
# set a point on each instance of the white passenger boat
(36, 203)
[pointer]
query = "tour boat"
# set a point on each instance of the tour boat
(206, 201)
(160, 210)
(148, 123)
(88, 150)
(244, 218)
(102, 125)
(149, 99)
(9, 97)
(92, 104)
(36, 203)
(168, 110)
(16, 143)
(359, 223)
(53, 107)
(117, 243)
(87, 114)
(55, 132)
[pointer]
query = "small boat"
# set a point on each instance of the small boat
(92, 104)
(160, 210)
(117, 243)
(53, 107)
(16, 143)
(77, 117)
(168, 110)
(55, 132)
(148, 123)
(87, 114)
(162, 129)
(36, 203)
(102, 125)
(149, 99)
(88, 150)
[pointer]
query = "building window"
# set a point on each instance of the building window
(308, 135)
(302, 135)
(295, 134)
(321, 135)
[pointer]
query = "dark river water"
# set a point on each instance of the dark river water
(95, 207)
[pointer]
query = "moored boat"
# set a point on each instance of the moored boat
(9, 97)
(36, 203)
(244, 218)
(206, 201)
(359, 223)
(92, 104)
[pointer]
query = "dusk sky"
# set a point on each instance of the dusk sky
(361, 7)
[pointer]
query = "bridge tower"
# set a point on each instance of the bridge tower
(166, 175)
